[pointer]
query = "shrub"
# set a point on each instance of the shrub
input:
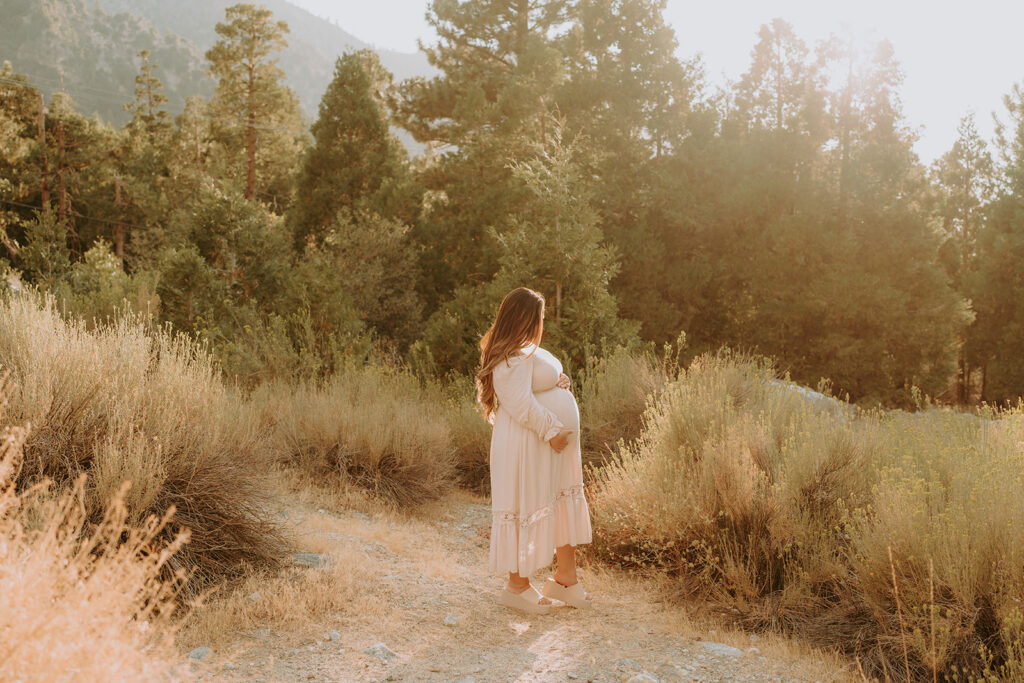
(81, 602)
(613, 394)
(469, 434)
(120, 404)
(98, 289)
(373, 427)
(869, 532)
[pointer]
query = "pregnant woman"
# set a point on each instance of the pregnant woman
(536, 472)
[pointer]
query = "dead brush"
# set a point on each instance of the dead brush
(118, 403)
(368, 426)
(886, 535)
(82, 601)
(613, 394)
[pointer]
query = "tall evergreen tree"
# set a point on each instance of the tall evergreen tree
(964, 180)
(143, 174)
(258, 122)
(355, 162)
(555, 246)
(632, 97)
(147, 109)
(498, 69)
(996, 341)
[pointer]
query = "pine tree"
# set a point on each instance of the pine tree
(355, 162)
(964, 178)
(996, 341)
(257, 119)
(783, 89)
(374, 263)
(555, 246)
(147, 109)
(499, 66)
(632, 98)
(140, 186)
(22, 175)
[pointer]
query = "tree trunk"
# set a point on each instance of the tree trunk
(45, 160)
(250, 150)
(119, 225)
(62, 191)
(250, 137)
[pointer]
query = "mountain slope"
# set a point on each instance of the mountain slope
(92, 54)
(91, 49)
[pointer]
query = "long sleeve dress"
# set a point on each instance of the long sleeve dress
(537, 499)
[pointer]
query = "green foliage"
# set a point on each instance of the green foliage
(376, 269)
(994, 341)
(554, 246)
(98, 289)
(786, 214)
(355, 162)
(498, 68)
(258, 121)
(45, 256)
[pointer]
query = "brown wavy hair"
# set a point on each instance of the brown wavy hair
(518, 322)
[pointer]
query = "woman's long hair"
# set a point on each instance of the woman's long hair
(518, 322)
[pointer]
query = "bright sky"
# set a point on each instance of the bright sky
(957, 56)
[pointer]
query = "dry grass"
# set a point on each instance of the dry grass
(614, 393)
(376, 428)
(82, 602)
(783, 513)
(122, 404)
(470, 435)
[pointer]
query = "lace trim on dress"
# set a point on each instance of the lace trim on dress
(575, 492)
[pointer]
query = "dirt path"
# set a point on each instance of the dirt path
(421, 587)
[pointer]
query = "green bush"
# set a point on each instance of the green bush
(97, 288)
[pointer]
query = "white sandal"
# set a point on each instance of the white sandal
(528, 601)
(573, 595)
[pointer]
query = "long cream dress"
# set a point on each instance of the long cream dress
(537, 499)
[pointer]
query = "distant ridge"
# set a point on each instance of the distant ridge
(90, 49)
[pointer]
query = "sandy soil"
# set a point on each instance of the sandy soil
(421, 586)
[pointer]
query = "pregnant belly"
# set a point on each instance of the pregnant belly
(562, 403)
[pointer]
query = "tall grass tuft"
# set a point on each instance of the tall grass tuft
(469, 434)
(614, 392)
(82, 601)
(372, 427)
(120, 404)
(892, 536)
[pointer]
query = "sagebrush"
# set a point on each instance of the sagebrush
(123, 402)
(870, 532)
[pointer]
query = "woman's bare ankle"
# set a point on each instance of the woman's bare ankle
(517, 586)
(565, 580)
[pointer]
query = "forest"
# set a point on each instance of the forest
(568, 148)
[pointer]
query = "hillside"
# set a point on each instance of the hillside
(91, 49)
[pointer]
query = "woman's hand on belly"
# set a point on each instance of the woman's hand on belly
(561, 440)
(563, 381)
